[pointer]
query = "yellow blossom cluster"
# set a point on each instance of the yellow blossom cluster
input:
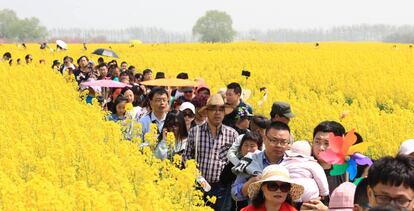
(366, 86)
(59, 153)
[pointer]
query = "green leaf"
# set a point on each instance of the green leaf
(338, 169)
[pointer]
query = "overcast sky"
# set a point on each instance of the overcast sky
(180, 15)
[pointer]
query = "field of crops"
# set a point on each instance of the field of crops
(56, 151)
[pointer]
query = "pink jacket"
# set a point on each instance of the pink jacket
(307, 172)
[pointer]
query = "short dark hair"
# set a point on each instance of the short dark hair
(260, 120)
(329, 127)
(100, 60)
(124, 62)
(182, 75)
(103, 64)
(126, 89)
(252, 136)
(7, 54)
(138, 76)
(361, 195)
(277, 126)
(123, 74)
(157, 90)
(146, 71)
(81, 58)
(236, 87)
(159, 75)
(392, 171)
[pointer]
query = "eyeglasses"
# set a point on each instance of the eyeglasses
(217, 109)
(159, 100)
(277, 141)
(273, 186)
(399, 201)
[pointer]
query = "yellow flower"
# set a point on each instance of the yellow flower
(212, 199)
(129, 107)
(170, 139)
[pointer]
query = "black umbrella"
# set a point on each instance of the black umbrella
(105, 52)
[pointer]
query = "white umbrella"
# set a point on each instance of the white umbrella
(62, 44)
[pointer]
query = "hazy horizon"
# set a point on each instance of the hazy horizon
(180, 15)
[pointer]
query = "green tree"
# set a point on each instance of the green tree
(214, 26)
(13, 28)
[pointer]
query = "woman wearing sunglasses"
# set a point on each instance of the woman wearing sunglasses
(274, 191)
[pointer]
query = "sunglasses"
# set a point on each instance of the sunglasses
(273, 186)
(171, 125)
(188, 114)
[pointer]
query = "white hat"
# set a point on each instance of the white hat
(187, 105)
(407, 147)
(279, 173)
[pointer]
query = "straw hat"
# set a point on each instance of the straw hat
(217, 100)
(276, 173)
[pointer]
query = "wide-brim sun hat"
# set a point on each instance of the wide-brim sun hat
(276, 173)
(217, 100)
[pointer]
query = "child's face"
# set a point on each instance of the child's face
(248, 146)
(120, 109)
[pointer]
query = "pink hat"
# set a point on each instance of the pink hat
(342, 198)
(201, 87)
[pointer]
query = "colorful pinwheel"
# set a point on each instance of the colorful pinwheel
(344, 155)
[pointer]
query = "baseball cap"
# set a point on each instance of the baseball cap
(187, 105)
(281, 109)
(407, 147)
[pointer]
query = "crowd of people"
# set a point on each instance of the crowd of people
(249, 161)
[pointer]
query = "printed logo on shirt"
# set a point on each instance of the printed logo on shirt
(242, 165)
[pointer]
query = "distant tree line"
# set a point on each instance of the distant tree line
(147, 35)
(363, 32)
(376, 33)
(13, 28)
(214, 26)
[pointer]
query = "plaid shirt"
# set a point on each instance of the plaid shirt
(211, 152)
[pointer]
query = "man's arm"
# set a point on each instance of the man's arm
(234, 150)
(240, 187)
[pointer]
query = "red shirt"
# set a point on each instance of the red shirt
(285, 207)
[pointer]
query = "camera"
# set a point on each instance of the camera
(246, 73)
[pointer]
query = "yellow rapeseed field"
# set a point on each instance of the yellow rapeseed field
(57, 152)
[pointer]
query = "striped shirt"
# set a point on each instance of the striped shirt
(211, 152)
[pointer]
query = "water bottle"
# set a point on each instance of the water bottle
(203, 183)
